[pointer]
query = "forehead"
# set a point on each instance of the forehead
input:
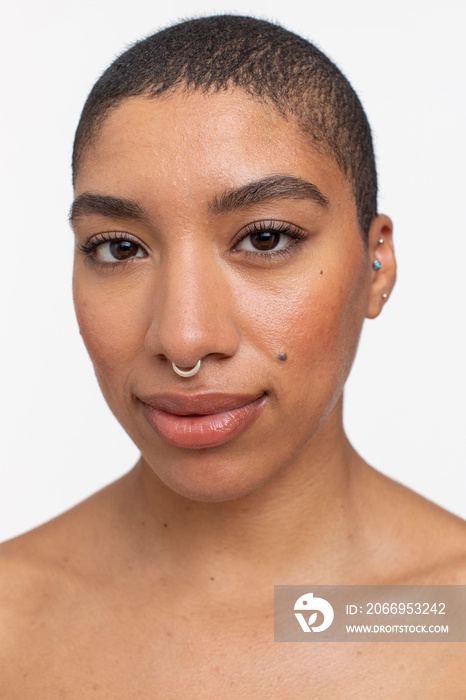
(195, 144)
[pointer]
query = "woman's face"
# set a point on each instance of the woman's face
(228, 239)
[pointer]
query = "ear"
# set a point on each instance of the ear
(381, 250)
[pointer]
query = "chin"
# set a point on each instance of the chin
(219, 495)
(207, 483)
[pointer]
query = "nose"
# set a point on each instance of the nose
(192, 314)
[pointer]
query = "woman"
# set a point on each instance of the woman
(228, 250)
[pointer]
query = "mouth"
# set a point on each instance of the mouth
(201, 420)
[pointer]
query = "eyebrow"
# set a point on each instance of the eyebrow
(88, 203)
(266, 189)
(263, 190)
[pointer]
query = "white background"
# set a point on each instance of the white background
(405, 402)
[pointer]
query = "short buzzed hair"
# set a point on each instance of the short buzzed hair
(266, 61)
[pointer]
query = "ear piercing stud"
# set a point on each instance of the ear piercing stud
(187, 372)
(384, 296)
(377, 264)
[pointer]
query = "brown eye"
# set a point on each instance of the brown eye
(118, 251)
(265, 240)
(122, 250)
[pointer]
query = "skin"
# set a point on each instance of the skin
(161, 585)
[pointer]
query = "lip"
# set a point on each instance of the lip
(203, 420)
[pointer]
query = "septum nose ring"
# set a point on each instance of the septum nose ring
(187, 372)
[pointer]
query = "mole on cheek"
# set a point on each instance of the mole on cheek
(282, 356)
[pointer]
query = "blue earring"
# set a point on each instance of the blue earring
(376, 265)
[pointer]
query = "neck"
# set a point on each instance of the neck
(303, 518)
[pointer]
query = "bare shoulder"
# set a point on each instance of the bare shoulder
(32, 565)
(36, 567)
(50, 578)
(29, 590)
(426, 542)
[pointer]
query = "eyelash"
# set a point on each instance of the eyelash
(298, 238)
(108, 237)
(281, 227)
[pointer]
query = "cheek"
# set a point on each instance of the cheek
(310, 318)
(110, 327)
(317, 322)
